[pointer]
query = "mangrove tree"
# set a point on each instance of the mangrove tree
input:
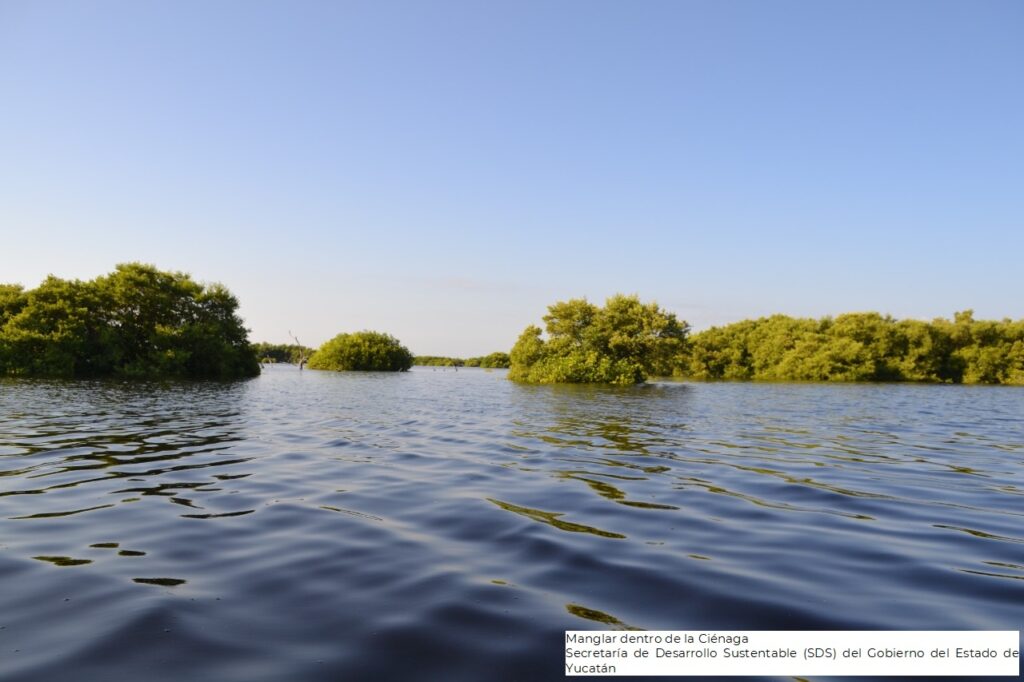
(135, 321)
(622, 343)
(362, 351)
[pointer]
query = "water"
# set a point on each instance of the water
(451, 525)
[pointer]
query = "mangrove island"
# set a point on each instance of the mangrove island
(136, 321)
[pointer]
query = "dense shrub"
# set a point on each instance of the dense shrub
(364, 351)
(622, 343)
(136, 321)
(860, 347)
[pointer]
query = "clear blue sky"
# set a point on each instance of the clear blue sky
(444, 170)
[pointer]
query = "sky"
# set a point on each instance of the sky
(443, 170)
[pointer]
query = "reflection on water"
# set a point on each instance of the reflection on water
(62, 560)
(163, 582)
(435, 525)
(598, 617)
(552, 519)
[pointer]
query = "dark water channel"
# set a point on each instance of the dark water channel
(451, 526)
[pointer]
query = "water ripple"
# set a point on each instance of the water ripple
(443, 525)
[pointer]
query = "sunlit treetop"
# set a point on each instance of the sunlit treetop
(362, 351)
(135, 321)
(623, 342)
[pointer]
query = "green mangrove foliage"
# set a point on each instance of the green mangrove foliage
(281, 352)
(497, 360)
(860, 347)
(136, 321)
(365, 351)
(437, 361)
(622, 343)
(493, 361)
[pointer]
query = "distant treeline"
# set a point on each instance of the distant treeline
(281, 352)
(136, 321)
(437, 361)
(627, 341)
(492, 361)
(859, 347)
(140, 321)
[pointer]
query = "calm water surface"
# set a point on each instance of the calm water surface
(443, 525)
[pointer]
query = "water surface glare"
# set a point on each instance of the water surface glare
(451, 525)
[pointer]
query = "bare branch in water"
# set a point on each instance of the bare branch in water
(302, 352)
